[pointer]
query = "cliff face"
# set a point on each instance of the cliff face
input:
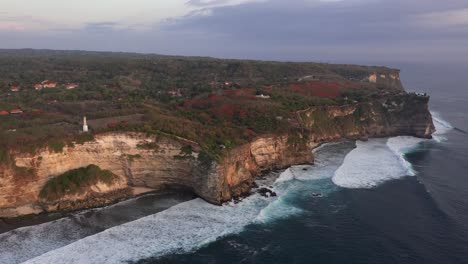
(386, 79)
(121, 153)
(163, 166)
(237, 171)
(404, 114)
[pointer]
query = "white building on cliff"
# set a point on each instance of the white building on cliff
(85, 125)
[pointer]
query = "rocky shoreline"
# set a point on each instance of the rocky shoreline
(231, 177)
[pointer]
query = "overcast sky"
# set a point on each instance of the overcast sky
(305, 30)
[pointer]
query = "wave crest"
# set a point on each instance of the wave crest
(442, 127)
(376, 161)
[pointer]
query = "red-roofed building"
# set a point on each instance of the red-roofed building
(4, 113)
(16, 111)
(175, 92)
(49, 84)
(15, 88)
(71, 86)
(38, 86)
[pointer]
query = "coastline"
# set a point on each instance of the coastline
(10, 223)
(215, 181)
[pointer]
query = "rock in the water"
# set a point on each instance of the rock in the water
(265, 192)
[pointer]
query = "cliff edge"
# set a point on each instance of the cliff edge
(160, 162)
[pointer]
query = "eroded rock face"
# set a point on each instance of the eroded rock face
(239, 168)
(387, 80)
(118, 152)
(161, 166)
(390, 116)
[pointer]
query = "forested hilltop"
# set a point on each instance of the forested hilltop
(215, 103)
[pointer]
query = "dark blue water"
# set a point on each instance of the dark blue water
(413, 220)
(383, 216)
(421, 219)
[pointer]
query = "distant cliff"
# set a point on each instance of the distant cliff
(159, 162)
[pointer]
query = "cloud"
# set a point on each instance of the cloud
(220, 3)
(11, 26)
(346, 31)
(204, 3)
(443, 19)
(100, 27)
(280, 29)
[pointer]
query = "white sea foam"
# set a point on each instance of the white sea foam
(25, 243)
(193, 224)
(401, 146)
(190, 225)
(328, 158)
(441, 126)
(370, 164)
(379, 160)
(278, 209)
(181, 228)
(287, 175)
(21, 244)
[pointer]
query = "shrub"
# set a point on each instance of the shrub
(75, 182)
(132, 158)
(205, 159)
(83, 138)
(56, 146)
(186, 150)
(185, 153)
(4, 156)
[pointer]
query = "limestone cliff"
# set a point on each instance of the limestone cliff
(157, 162)
(386, 79)
(401, 114)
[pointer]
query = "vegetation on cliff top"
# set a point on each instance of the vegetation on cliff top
(76, 182)
(214, 102)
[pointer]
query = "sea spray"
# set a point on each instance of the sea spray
(442, 127)
(379, 160)
(403, 145)
(28, 242)
(191, 225)
(370, 164)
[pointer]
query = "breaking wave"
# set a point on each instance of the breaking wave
(401, 146)
(28, 242)
(193, 224)
(441, 126)
(380, 160)
(190, 225)
(181, 228)
(370, 164)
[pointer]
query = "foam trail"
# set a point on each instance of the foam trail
(441, 126)
(28, 242)
(191, 225)
(181, 228)
(404, 145)
(329, 157)
(278, 209)
(377, 161)
(370, 164)
(287, 175)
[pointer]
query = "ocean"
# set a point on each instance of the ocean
(393, 200)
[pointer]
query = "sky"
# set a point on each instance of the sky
(293, 30)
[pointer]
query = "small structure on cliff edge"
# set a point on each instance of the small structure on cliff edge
(85, 125)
